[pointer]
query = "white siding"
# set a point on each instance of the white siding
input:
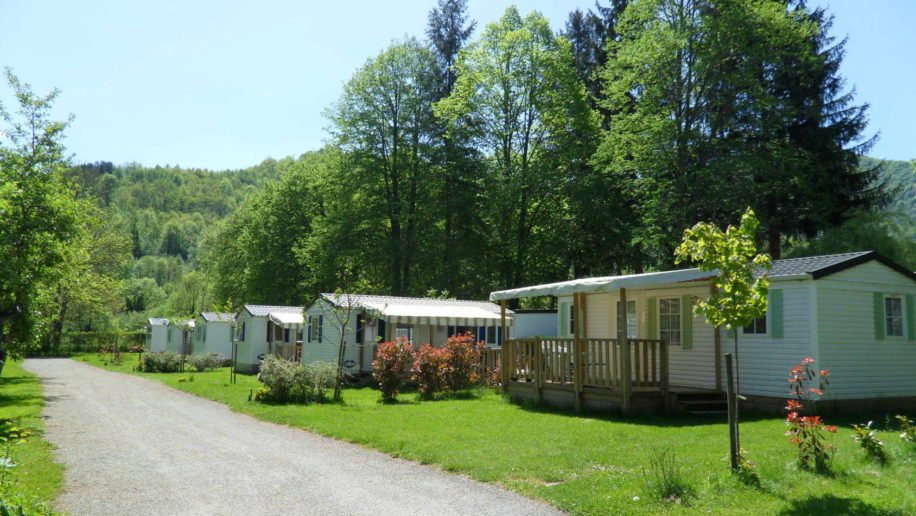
(534, 324)
(765, 361)
(860, 365)
(255, 342)
(217, 338)
(158, 337)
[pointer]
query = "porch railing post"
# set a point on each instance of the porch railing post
(505, 347)
(663, 373)
(538, 369)
(626, 377)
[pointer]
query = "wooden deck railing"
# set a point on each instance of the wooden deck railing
(553, 361)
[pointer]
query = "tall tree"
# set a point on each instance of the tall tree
(39, 213)
(384, 121)
(712, 99)
(519, 97)
(456, 162)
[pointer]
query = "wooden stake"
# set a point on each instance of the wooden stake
(734, 446)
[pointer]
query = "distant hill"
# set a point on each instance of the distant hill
(901, 182)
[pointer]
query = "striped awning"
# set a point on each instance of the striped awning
(286, 319)
(439, 315)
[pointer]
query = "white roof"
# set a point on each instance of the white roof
(415, 310)
(286, 319)
(603, 284)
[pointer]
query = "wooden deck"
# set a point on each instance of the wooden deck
(609, 374)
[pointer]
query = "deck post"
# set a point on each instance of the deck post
(626, 373)
(663, 373)
(505, 345)
(577, 355)
(539, 369)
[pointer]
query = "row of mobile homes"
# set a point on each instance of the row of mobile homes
(213, 333)
(157, 334)
(262, 330)
(364, 320)
(640, 344)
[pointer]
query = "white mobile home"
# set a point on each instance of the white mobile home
(386, 318)
(157, 334)
(213, 333)
(180, 336)
(262, 330)
(853, 313)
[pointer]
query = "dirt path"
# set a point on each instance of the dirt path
(134, 446)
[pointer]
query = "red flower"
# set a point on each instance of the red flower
(815, 391)
(830, 428)
(807, 361)
(793, 405)
(792, 417)
(824, 372)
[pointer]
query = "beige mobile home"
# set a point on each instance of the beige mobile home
(853, 313)
(262, 330)
(157, 334)
(213, 333)
(384, 318)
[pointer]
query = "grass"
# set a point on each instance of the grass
(592, 464)
(37, 479)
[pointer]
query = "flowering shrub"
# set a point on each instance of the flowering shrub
(429, 370)
(206, 361)
(462, 361)
(807, 432)
(868, 440)
(392, 362)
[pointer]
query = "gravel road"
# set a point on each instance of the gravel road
(135, 446)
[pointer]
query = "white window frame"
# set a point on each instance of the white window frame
(889, 317)
(754, 323)
(403, 331)
(634, 334)
(572, 319)
(675, 313)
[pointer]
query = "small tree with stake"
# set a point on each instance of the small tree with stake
(741, 293)
(339, 311)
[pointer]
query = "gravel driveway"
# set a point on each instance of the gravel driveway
(135, 446)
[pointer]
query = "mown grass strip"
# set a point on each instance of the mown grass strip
(591, 464)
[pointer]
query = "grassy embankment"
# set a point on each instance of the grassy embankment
(37, 479)
(591, 464)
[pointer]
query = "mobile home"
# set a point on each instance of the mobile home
(213, 333)
(157, 334)
(262, 330)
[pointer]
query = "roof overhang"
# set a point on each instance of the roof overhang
(604, 284)
(434, 313)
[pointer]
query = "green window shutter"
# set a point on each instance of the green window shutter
(775, 315)
(879, 315)
(686, 322)
(652, 322)
(910, 317)
(564, 319)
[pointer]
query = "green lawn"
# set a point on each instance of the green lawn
(37, 479)
(586, 465)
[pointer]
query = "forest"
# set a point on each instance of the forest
(465, 160)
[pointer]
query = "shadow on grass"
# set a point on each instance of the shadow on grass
(830, 504)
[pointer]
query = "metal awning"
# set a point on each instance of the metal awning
(425, 311)
(603, 284)
(286, 319)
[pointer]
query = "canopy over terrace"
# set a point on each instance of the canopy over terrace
(424, 311)
(602, 284)
(286, 319)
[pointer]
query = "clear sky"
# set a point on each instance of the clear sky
(225, 84)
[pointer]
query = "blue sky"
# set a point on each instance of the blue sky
(227, 84)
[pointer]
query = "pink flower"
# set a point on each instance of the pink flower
(807, 361)
(824, 372)
(830, 428)
(812, 390)
(792, 405)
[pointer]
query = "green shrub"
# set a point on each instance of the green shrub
(907, 429)
(160, 362)
(868, 440)
(287, 381)
(664, 479)
(206, 361)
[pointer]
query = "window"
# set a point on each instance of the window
(242, 334)
(286, 335)
(631, 318)
(669, 320)
(757, 327)
(893, 316)
(308, 329)
(402, 332)
(491, 335)
(460, 330)
(360, 326)
(572, 319)
(320, 328)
